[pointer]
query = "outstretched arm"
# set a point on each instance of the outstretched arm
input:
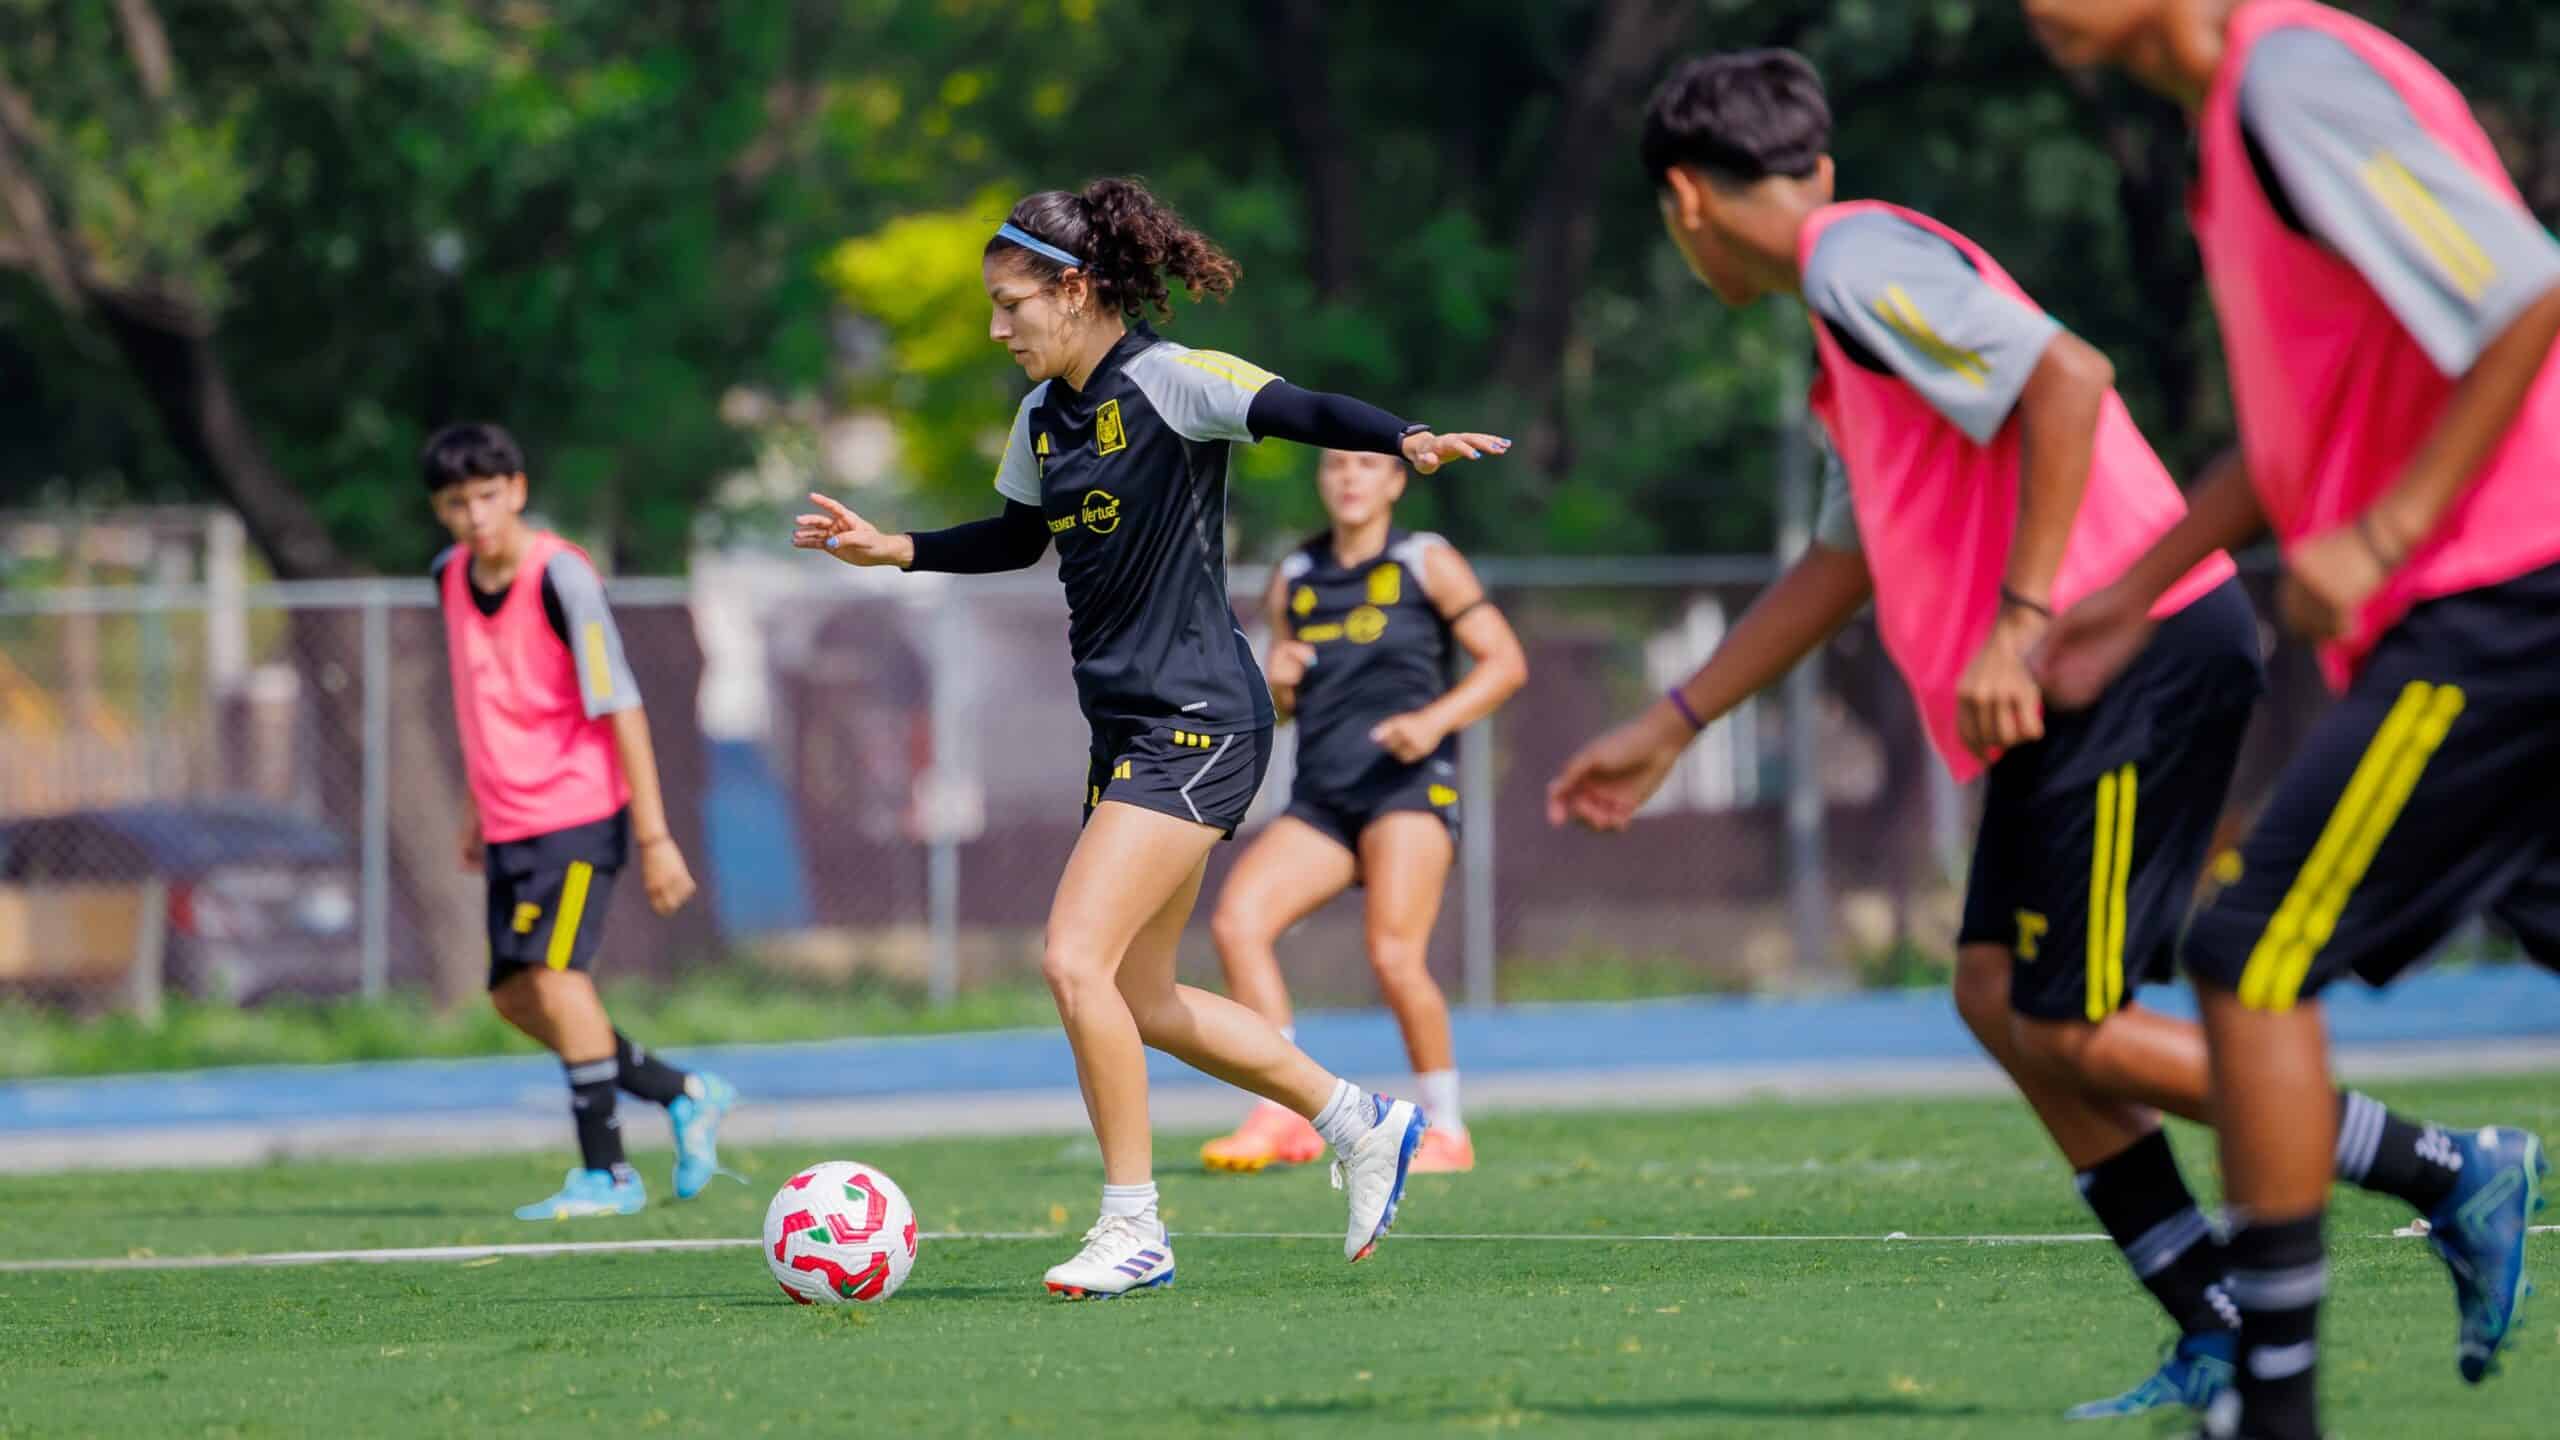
(1282, 411)
(1608, 780)
(1010, 541)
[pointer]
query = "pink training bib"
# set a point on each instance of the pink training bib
(1936, 511)
(535, 761)
(2333, 393)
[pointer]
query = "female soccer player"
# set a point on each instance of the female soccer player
(1120, 454)
(1363, 622)
(2388, 306)
(1987, 474)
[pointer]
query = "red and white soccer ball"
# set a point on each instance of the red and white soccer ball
(840, 1233)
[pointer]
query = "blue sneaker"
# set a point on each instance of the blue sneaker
(2197, 1370)
(2480, 1231)
(696, 1121)
(589, 1192)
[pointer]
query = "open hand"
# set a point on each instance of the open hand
(847, 536)
(1427, 452)
(1608, 780)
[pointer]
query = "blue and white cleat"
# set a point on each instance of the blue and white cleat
(2480, 1231)
(696, 1122)
(1121, 1253)
(1374, 1172)
(2198, 1370)
(589, 1192)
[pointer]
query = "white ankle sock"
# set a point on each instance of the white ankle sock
(1345, 1117)
(1133, 1200)
(1289, 1033)
(1439, 1090)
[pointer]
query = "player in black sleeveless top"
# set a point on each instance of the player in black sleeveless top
(1366, 622)
(1119, 456)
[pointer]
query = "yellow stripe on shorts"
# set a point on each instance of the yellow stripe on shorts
(2375, 795)
(573, 907)
(2098, 927)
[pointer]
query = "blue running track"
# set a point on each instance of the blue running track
(2443, 1009)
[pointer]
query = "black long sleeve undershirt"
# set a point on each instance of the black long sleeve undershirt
(1014, 540)
(1282, 411)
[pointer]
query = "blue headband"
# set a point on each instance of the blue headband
(1036, 245)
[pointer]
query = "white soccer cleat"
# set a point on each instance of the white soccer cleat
(1374, 1172)
(1121, 1253)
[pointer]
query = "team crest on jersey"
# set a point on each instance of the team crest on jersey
(1100, 511)
(1304, 602)
(1364, 625)
(1386, 584)
(1108, 433)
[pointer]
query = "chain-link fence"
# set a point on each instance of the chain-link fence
(258, 793)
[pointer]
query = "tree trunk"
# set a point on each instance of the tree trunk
(1628, 41)
(1317, 149)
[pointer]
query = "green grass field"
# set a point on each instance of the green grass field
(1605, 1332)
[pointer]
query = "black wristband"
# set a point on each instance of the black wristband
(2010, 597)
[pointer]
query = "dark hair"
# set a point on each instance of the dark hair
(1740, 116)
(1129, 242)
(469, 452)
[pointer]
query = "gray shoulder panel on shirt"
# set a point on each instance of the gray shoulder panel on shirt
(2455, 259)
(595, 642)
(1200, 394)
(1914, 301)
(1018, 469)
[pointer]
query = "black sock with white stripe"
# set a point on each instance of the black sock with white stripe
(591, 1085)
(644, 1074)
(2381, 1152)
(2279, 1275)
(2144, 1203)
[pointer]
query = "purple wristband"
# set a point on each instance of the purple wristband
(1680, 703)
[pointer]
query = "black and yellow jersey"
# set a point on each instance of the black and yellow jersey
(1382, 649)
(1130, 474)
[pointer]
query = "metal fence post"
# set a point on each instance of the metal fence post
(376, 820)
(1808, 886)
(1475, 844)
(942, 852)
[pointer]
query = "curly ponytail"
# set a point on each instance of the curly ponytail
(1129, 241)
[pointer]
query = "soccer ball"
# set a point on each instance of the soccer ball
(839, 1233)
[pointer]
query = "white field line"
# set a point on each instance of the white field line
(470, 1254)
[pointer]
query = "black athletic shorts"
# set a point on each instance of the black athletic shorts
(548, 894)
(1158, 765)
(1430, 787)
(2424, 796)
(2093, 838)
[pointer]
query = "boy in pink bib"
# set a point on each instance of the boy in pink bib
(1986, 474)
(556, 748)
(2388, 307)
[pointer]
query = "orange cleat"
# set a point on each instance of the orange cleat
(1272, 1135)
(1444, 1153)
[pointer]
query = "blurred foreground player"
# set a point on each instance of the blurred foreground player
(2388, 307)
(562, 784)
(1988, 475)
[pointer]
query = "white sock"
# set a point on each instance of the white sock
(1439, 1089)
(1345, 1117)
(1136, 1201)
(1289, 1033)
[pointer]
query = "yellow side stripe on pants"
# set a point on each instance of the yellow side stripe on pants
(2375, 795)
(2110, 872)
(2116, 891)
(573, 905)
